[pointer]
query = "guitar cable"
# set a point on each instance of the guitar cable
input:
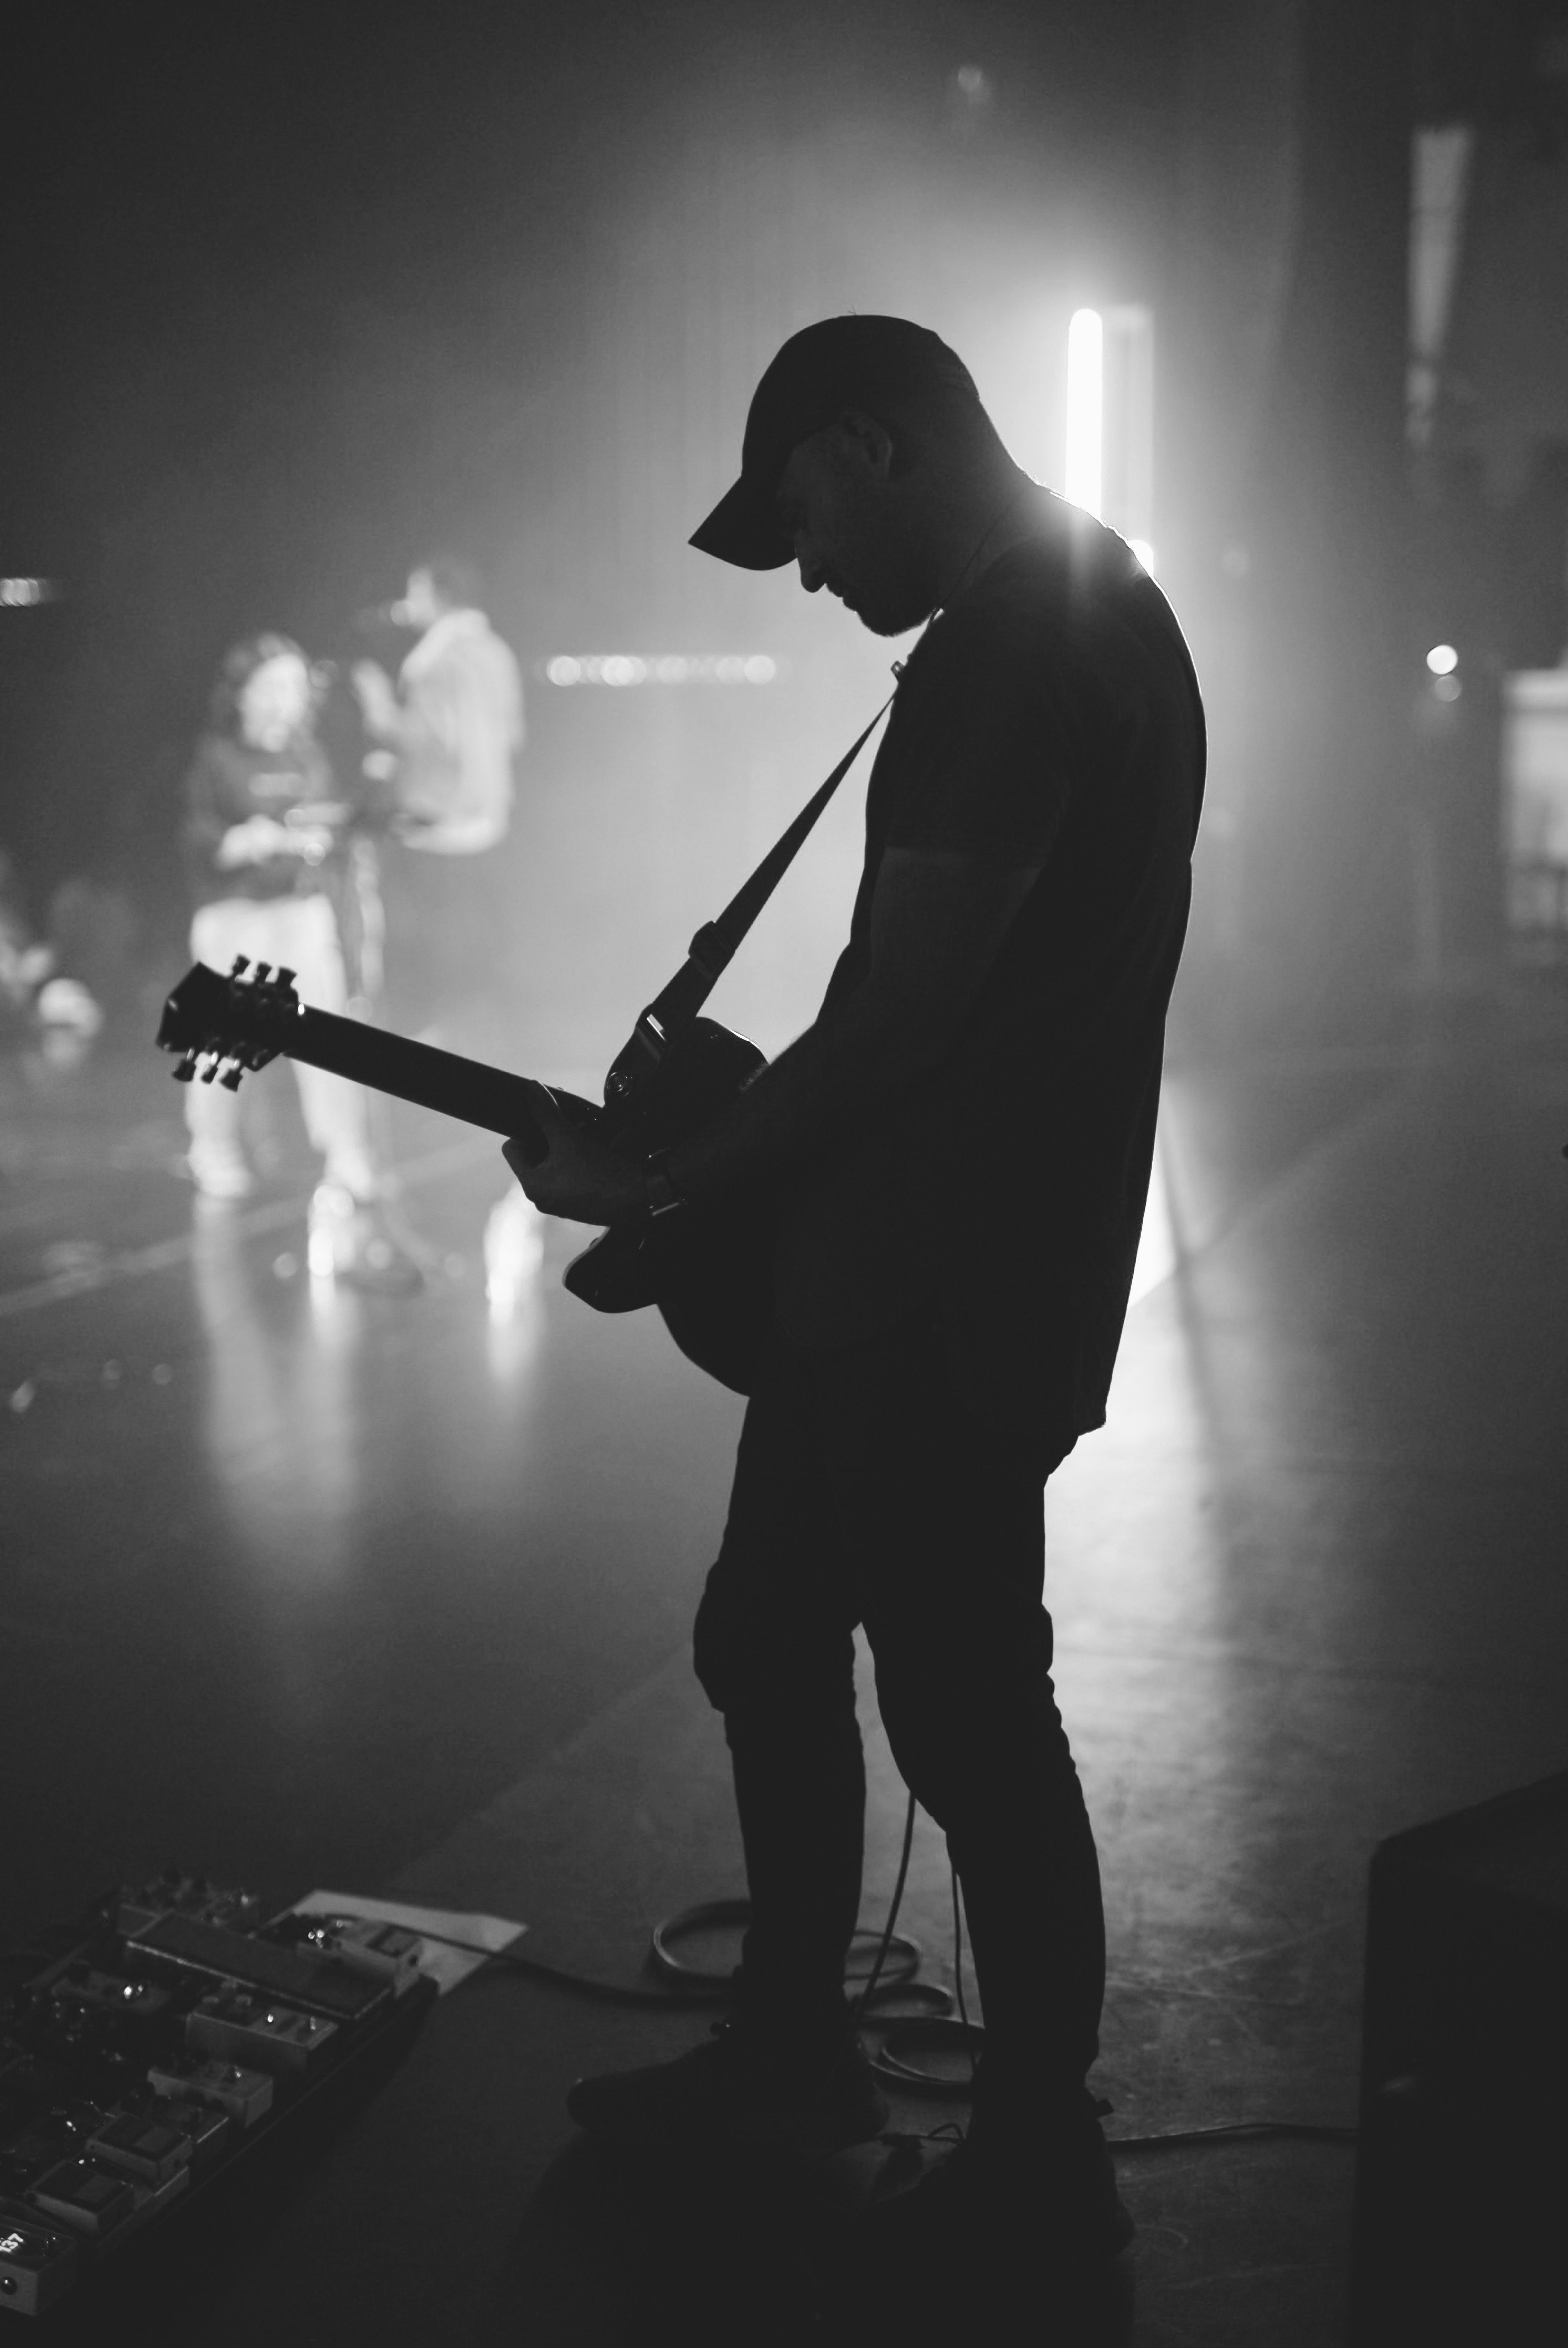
(693, 1987)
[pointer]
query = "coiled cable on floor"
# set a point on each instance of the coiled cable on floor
(714, 1915)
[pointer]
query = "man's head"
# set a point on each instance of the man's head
(867, 449)
(443, 582)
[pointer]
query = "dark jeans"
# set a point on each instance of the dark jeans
(865, 1493)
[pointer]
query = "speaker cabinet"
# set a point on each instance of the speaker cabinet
(1461, 2177)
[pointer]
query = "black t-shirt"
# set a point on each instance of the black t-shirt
(1051, 716)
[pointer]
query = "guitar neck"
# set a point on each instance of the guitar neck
(465, 1089)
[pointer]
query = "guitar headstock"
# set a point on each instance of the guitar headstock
(224, 1026)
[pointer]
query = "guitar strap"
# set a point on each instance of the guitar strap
(678, 1004)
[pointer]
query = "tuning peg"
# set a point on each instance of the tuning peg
(187, 1068)
(281, 977)
(261, 972)
(241, 964)
(211, 1070)
(230, 1079)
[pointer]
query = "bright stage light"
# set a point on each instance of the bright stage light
(1083, 483)
(1442, 660)
(619, 670)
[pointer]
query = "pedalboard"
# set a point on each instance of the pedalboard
(150, 2046)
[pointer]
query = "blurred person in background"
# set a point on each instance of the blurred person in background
(449, 734)
(265, 839)
(24, 961)
(40, 1003)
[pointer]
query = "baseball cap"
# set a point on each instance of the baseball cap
(839, 363)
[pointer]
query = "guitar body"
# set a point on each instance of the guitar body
(708, 1270)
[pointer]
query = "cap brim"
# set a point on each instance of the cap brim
(742, 529)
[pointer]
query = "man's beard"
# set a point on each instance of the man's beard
(894, 602)
(886, 579)
(886, 617)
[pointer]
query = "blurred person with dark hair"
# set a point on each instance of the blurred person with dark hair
(451, 731)
(264, 838)
(992, 1036)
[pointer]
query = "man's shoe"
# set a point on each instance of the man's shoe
(741, 2086)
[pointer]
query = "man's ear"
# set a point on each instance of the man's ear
(867, 441)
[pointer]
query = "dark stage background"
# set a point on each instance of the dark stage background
(293, 298)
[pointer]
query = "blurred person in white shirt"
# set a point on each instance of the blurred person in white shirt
(450, 732)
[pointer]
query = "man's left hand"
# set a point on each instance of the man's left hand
(578, 1177)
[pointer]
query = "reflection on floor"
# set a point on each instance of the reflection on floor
(305, 1586)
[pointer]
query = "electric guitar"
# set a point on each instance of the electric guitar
(707, 1270)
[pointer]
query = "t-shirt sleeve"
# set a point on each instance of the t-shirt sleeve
(206, 817)
(988, 761)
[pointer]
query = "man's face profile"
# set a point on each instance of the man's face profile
(422, 605)
(853, 525)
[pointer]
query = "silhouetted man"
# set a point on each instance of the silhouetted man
(963, 1138)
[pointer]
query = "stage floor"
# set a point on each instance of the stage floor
(306, 1587)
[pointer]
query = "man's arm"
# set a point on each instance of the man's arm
(939, 921)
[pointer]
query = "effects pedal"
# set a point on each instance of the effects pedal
(382, 1952)
(81, 1986)
(144, 2146)
(247, 2029)
(246, 2096)
(148, 2044)
(206, 2128)
(37, 2261)
(190, 1949)
(84, 2195)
